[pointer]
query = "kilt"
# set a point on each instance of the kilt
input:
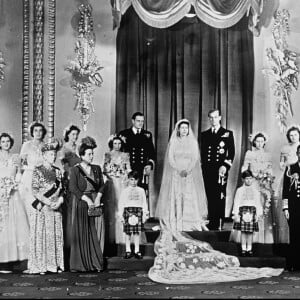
(128, 213)
(246, 225)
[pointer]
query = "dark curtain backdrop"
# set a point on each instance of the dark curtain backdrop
(182, 72)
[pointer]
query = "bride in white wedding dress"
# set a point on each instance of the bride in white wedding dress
(182, 207)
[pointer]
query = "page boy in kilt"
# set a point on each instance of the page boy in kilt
(247, 208)
(133, 211)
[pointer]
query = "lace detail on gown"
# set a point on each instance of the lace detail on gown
(183, 260)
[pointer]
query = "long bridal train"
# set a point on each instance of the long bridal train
(183, 260)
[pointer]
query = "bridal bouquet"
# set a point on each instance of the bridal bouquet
(265, 183)
(116, 170)
(7, 185)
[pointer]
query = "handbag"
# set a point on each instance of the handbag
(92, 211)
(95, 211)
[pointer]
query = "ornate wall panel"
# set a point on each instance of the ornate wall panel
(38, 60)
(39, 18)
(51, 65)
(26, 70)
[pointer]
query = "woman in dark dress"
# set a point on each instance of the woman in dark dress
(86, 184)
(68, 157)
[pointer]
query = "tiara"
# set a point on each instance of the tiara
(294, 126)
(8, 133)
(33, 124)
(68, 129)
(112, 136)
(254, 134)
(51, 144)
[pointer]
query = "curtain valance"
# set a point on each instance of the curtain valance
(216, 13)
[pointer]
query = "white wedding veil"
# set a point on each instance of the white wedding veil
(165, 202)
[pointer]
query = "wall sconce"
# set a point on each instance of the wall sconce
(85, 68)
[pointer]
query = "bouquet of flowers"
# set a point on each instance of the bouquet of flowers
(266, 180)
(116, 170)
(7, 185)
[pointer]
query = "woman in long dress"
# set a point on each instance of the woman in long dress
(31, 156)
(68, 157)
(259, 162)
(179, 258)
(14, 224)
(46, 232)
(287, 157)
(86, 183)
(116, 167)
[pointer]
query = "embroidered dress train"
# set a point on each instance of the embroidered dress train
(181, 259)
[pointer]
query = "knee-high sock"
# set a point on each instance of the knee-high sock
(127, 242)
(136, 238)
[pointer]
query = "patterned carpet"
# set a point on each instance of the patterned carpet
(122, 284)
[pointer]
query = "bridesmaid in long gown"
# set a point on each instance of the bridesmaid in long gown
(259, 162)
(31, 156)
(287, 157)
(68, 157)
(116, 167)
(14, 224)
(86, 183)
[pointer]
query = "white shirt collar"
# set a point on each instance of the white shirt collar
(215, 129)
(135, 130)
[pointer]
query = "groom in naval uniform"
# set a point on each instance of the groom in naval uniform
(217, 154)
(291, 209)
(139, 145)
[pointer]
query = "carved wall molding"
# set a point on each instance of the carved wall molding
(51, 65)
(26, 70)
(38, 59)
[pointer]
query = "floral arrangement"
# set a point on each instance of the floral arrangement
(266, 180)
(85, 68)
(116, 170)
(283, 68)
(7, 185)
(2, 65)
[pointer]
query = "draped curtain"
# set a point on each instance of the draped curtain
(183, 71)
(216, 13)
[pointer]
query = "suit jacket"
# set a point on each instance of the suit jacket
(291, 188)
(217, 149)
(140, 148)
(78, 184)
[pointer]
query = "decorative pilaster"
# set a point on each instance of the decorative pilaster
(26, 70)
(51, 65)
(38, 56)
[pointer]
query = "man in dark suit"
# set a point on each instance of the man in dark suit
(291, 209)
(217, 154)
(139, 145)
